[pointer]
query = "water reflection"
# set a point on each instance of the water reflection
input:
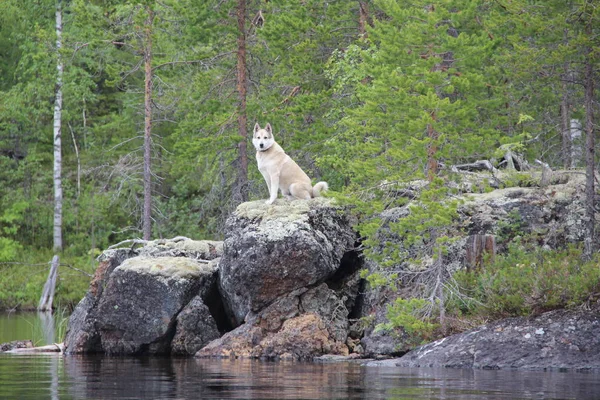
(226, 379)
(48, 327)
(40, 328)
(57, 377)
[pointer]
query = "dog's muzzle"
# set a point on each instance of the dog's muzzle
(261, 147)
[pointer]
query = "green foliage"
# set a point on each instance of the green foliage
(511, 227)
(406, 315)
(518, 179)
(524, 282)
(22, 282)
(9, 249)
(369, 113)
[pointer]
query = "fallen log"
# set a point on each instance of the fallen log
(51, 348)
(16, 344)
(479, 165)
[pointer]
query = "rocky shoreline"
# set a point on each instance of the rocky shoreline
(285, 284)
(556, 340)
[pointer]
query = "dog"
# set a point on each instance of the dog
(280, 171)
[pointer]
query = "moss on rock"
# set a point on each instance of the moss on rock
(167, 267)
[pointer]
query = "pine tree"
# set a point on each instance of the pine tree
(425, 90)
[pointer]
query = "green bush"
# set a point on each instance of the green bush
(407, 322)
(523, 282)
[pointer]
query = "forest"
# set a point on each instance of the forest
(131, 119)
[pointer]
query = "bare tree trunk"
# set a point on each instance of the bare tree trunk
(58, 192)
(78, 162)
(590, 191)
(363, 18)
(147, 217)
(47, 297)
(242, 87)
(565, 128)
(565, 119)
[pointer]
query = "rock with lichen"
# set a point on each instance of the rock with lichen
(288, 281)
(271, 250)
(551, 216)
(134, 300)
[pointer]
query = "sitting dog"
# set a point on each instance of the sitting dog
(280, 171)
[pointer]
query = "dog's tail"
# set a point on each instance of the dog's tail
(319, 188)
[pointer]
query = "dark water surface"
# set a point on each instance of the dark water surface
(57, 377)
(52, 376)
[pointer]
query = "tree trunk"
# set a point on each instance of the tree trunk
(47, 297)
(478, 248)
(565, 119)
(242, 88)
(363, 18)
(590, 191)
(565, 128)
(58, 193)
(147, 217)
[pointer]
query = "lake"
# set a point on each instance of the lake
(53, 376)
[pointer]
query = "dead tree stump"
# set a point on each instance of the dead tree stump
(478, 246)
(48, 294)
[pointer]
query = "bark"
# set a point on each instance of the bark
(242, 88)
(47, 297)
(58, 192)
(363, 18)
(478, 248)
(147, 213)
(76, 148)
(565, 120)
(589, 156)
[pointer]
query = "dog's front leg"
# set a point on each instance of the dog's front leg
(273, 188)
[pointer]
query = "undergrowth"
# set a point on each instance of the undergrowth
(525, 282)
(22, 281)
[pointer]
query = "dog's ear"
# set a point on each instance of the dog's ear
(256, 127)
(269, 129)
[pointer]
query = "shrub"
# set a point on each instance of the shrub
(523, 282)
(406, 321)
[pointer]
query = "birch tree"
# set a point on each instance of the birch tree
(57, 178)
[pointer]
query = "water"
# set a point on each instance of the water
(52, 376)
(40, 328)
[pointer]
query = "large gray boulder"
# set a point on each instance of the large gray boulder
(134, 302)
(288, 282)
(559, 340)
(142, 300)
(271, 250)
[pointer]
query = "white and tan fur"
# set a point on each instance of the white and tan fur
(280, 171)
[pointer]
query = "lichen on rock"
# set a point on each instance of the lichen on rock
(166, 267)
